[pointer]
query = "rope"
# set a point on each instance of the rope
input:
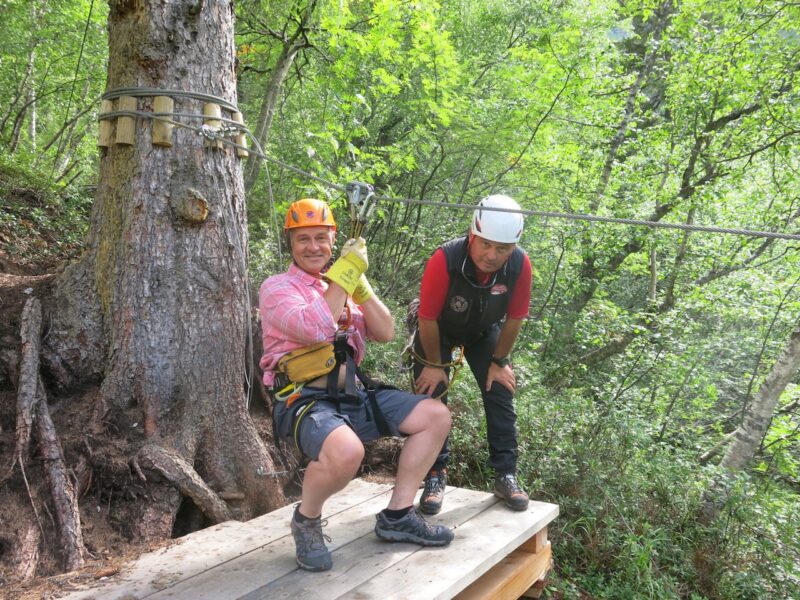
(617, 220)
(236, 127)
(410, 355)
(139, 92)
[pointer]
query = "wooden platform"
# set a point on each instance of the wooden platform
(496, 554)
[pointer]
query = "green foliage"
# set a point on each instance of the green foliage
(627, 526)
(52, 73)
(622, 391)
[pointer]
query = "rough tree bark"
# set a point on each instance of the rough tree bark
(157, 308)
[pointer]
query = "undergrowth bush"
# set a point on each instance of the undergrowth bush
(41, 222)
(628, 525)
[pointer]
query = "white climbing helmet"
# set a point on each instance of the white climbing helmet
(497, 226)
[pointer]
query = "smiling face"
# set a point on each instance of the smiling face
(312, 247)
(488, 256)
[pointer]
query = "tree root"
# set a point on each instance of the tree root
(181, 474)
(32, 407)
(64, 496)
(26, 552)
(28, 385)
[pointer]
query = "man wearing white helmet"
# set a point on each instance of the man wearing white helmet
(475, 293)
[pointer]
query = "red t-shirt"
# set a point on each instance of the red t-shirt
(436, 282)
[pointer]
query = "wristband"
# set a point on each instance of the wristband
(501, 362)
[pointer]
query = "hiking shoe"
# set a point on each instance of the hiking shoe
(412, 528)
(311, 552)
(507, 487)
(433, 495)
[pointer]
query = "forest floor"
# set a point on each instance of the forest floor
(28, 266)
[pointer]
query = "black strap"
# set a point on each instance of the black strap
(371, 388)
(341, 352)
(344, 356)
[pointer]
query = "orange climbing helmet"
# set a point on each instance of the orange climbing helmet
(309, 212)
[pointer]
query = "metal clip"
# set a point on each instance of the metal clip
(361, 202)
(289, 394)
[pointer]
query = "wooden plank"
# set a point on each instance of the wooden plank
(511, 577)
(254, 560)
(106, 131)
(126, 126)
(275, 559)
(480, 543)
(207, 548)
(162, 128)
(538, 542)
(367, 556)
(241, 138)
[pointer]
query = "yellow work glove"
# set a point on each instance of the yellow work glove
(358, 247)
(350, 266)
(363, 291)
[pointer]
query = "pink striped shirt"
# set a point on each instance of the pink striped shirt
(294, 314)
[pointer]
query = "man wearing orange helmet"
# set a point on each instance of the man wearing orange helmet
(475, 293)
(329, 417)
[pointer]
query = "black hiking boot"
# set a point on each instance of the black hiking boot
(507, 487)
(412, 528)
(311, 552)
(432, 497)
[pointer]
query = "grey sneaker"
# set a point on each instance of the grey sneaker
(311, 552)
(412, 528)
(433, 495)
(508, 488)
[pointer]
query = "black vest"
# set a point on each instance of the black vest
(470, 308)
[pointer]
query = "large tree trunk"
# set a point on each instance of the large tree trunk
(158, 306)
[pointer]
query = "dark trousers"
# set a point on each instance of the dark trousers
(498, 402)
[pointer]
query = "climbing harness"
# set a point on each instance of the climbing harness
(409, 357)
(297, 368)
(344, 357)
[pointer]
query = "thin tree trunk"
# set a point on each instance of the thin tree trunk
(291, 47)
(745, 440)
(747, 437)
(28, 93)
(590, 272)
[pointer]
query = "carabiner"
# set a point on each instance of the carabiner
(361, 204)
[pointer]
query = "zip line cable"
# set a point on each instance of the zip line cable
(236, 127)
(232, 127)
